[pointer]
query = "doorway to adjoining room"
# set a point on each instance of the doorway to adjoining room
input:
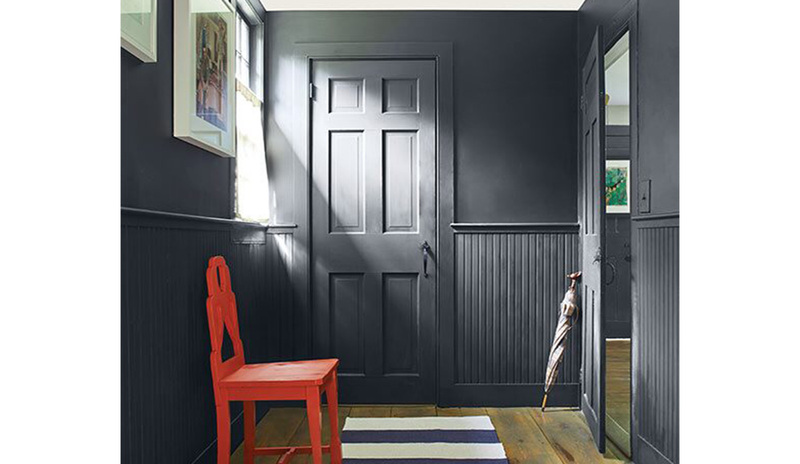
(618, 302)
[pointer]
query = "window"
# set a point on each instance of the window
(242, 48)
(251, 184)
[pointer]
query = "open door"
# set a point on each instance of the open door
(592, 182)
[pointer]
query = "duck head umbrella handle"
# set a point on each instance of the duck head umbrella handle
(567, 315)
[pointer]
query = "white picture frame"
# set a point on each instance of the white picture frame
(139, 28)
(204, 76)
(615, 167)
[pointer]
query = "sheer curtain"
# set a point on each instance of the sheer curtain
(252, 189)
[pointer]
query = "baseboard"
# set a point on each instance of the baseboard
(209, 454)
(648, 454)
(618, 329)
(508, 395)
(618, 435)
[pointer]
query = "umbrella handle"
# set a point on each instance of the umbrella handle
(574, 317)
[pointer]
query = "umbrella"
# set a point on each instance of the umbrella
(568, 314)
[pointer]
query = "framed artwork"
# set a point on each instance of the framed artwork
(139, 27)
(618, 188)
(204, 75)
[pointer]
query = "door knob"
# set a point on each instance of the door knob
(426, 251)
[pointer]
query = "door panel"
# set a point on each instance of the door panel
(373, 206)
(347, 319)
(400, 181)
(401, 324)
(592, 236)
(346, 182)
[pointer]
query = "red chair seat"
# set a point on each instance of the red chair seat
(282, 374)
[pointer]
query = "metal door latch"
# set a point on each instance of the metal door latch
(426, 251)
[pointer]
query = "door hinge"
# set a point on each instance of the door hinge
(310, 91)
(583, 102)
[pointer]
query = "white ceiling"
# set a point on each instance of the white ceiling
(319, 5)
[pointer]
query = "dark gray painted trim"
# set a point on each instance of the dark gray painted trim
(189, 217)
(209, 452)
(612, 129)
(653, 217)
(649, 453)
(626, 19)
(442, 53)
(515, 227)
(615, 133)
(620, 23)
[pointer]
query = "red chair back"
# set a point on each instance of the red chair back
(221, 308)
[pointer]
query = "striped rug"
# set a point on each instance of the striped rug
(421, 440)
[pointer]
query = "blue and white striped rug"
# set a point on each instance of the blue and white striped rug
(421, 440)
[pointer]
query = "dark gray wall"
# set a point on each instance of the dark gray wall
(655, 417)
(167, 401)
(514, 108)
(168, 413)
(508, 285)
(655, 263)
(617, 294)
(515, 116)
(160, 172)
(658, 102)
(657, 90)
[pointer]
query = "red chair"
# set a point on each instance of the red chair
(236, 381)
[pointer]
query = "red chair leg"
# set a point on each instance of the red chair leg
(314, 422)
(223, 433)
(249, 431)
(333, 415)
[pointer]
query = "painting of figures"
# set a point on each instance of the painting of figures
(211, 44)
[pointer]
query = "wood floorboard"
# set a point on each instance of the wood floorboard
(301, 437)
(521, 437)
(371, 411)
(568, 434)
(614, 453)
(528, 435)
(618, 393)
(414, 411)
(460, 412)
(276, 429)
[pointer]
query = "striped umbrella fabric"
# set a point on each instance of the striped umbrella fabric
(421, 440)
(567, 315)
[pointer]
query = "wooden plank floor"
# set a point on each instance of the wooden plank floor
(618, 393)
(528, 435)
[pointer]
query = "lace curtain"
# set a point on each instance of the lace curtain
(252, 189)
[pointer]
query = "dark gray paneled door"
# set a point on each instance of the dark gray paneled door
(373, 209)
(592, 183)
